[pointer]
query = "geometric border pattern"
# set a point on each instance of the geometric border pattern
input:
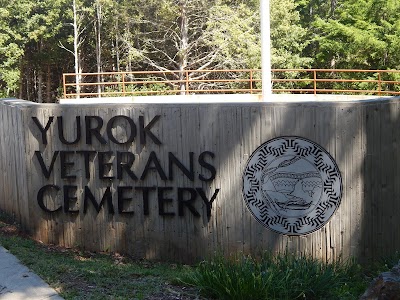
(297, 148)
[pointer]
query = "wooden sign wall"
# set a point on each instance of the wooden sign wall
(166, 181)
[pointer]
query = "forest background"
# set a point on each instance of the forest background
(42, 39)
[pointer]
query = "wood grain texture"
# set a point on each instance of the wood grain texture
(363, 137)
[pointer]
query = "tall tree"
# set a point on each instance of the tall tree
(288, 37)
(234, 35)
(78, 22)
(12, 44)
(29, 31)
(103, 14)
(43, 29)
(174, 36)
(362, 35)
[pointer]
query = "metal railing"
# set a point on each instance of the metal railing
(298, 81)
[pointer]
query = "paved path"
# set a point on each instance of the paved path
(17, 282)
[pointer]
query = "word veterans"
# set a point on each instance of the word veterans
(112, 165)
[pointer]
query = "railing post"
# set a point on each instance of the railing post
(65, 88)
(123, 84)
(187, 81)
(379, 83)
(315, 82)
(251, 81)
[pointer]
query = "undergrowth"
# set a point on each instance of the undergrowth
(282, 276)
(83, 275)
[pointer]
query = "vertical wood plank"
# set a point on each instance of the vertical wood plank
(362, 137)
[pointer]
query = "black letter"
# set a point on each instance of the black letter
(95, 131)
(125, 165)
(43, 130)
(173, 160)
(103, 165)
(110, 125)
(143, 130)
(121, 199)
(205, 199)
(46, 172)
(162, 200)
(40, 198)
(206, 165)
(188, 203)
(107, 196)
(61, 131)
(157, 166)
(86, 156)
(68, 198)
(145, 191)
(65, 164)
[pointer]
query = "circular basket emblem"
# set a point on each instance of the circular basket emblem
(292, 185)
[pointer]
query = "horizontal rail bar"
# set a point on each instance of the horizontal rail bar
(227, 81)
(347, 80)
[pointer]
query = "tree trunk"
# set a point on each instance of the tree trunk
(76, 52)
(117, 46)
(28, 83)
(48, 85)
(21, 80)
(183, 51)
(40, 76)
(98, 46)
(39, 85)
(333, 6)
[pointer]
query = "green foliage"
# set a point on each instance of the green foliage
(190, 34)
(11, 50)
(233, 33)
(357, 34)
(282, 276)
(151, 88)
(29, 34)
(235, 30)
(288, 37)
(85, 275)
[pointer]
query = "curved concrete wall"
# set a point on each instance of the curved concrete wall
(165, 181)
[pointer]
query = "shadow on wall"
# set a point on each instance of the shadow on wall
(319, 123)
(155, 221)
(336, 127)
(380, 236)
(361, 136)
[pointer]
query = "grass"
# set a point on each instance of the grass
(84, 275)
(283, 276)
(78, 274)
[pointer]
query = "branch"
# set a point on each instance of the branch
(65, 48)
(160, 68)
